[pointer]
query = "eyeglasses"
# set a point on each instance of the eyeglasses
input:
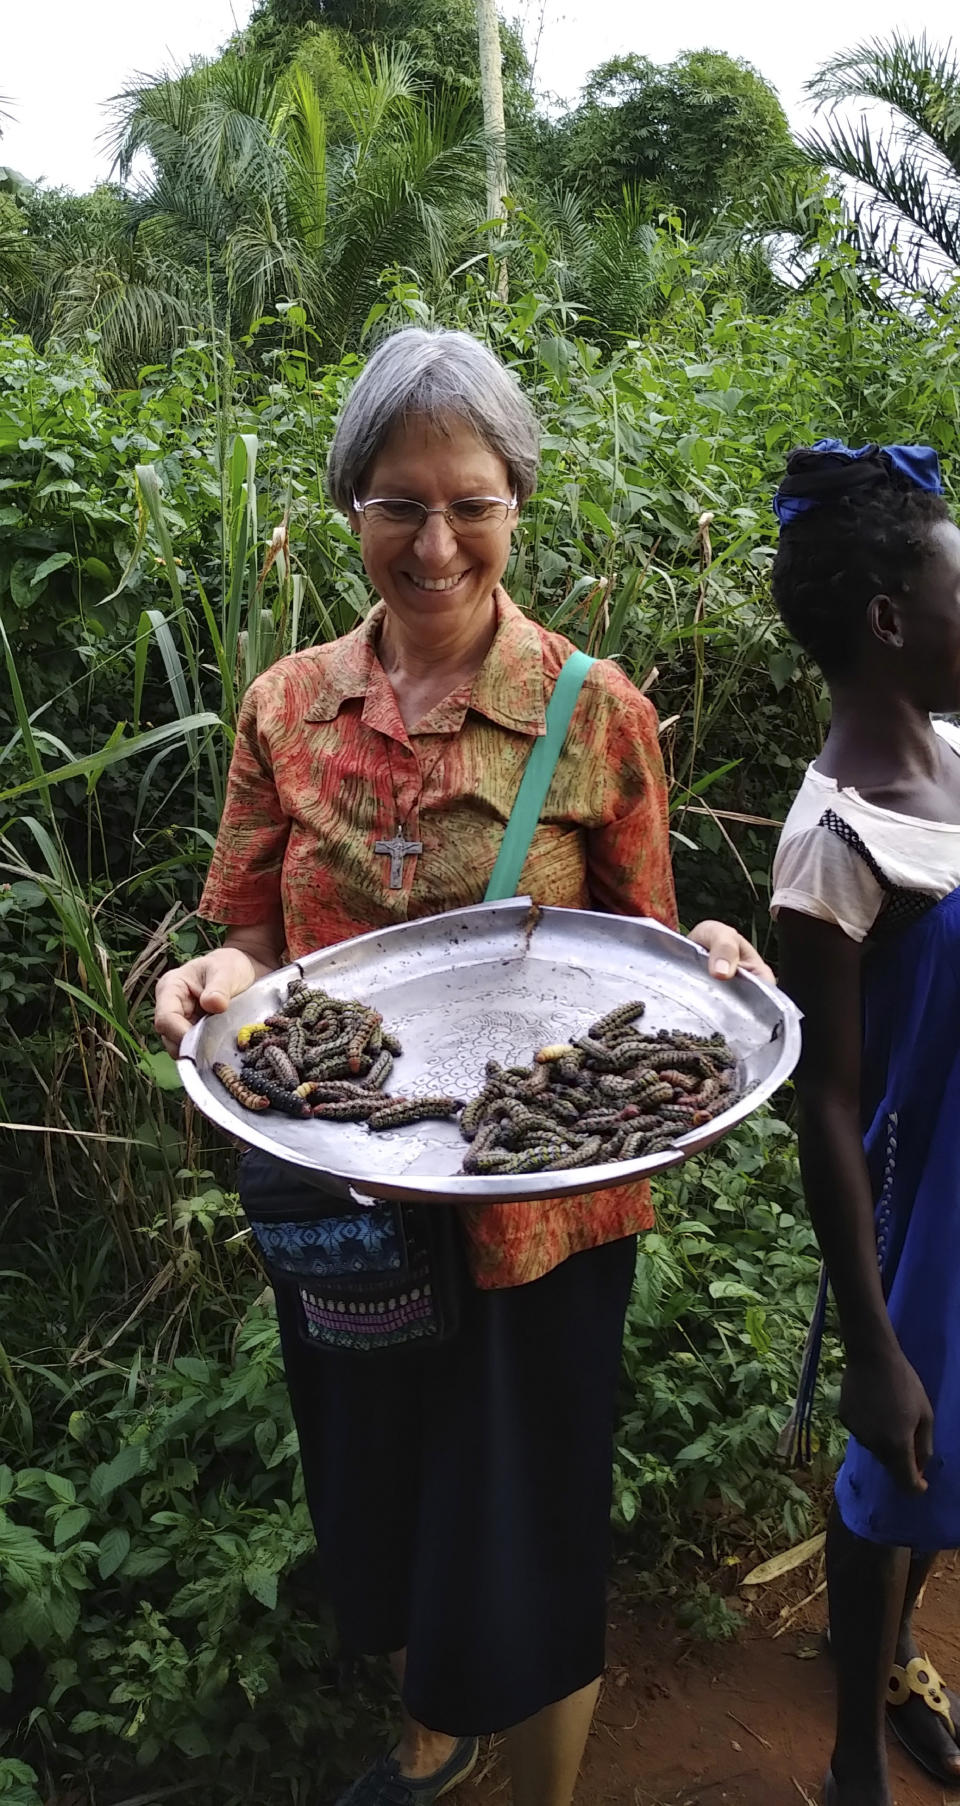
(473, 514)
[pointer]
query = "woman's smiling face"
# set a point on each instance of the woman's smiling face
(429, 574)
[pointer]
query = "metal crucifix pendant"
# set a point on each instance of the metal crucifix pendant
(398, 849)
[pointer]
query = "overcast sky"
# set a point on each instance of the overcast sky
(60, 63)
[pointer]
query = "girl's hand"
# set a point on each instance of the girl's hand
(730, 952)
(204, 986)
(884, 1405)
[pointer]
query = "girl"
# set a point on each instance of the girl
(867, 894)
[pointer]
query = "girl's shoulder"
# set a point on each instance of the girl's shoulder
(823, 869)
(843, 859)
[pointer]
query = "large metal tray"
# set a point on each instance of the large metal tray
(474, 983)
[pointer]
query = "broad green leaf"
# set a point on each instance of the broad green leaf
(84, 1722)
(62, 1488)
(18, 1783)
(125, 1465)
(55, 562)
(95, 567)
(113, 1550)
(592, 512)
(141, 1563)
(71, 1524)
(262, 1585)
(22, 581)
(64, 1613)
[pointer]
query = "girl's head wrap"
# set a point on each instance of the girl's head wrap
(829, 470)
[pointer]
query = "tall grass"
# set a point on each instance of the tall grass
(106, 1103)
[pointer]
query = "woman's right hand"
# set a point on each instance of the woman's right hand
(884, 1405)
(202, 987)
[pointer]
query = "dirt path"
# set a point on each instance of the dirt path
(738, 1724)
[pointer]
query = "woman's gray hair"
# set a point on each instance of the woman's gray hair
(444, 375)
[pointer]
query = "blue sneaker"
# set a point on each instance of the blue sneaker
(384, 1785)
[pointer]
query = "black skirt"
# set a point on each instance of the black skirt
(461, 1495)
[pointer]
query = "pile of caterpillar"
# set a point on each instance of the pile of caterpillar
(324, 1056)
(611, 1094)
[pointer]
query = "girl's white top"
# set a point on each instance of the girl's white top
(817, 873)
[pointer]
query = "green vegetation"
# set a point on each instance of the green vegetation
(905, 176)
(695, 137)
(172, 363)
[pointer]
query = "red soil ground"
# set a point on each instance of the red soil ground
(746, 1723)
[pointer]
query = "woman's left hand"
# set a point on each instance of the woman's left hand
(730, 952)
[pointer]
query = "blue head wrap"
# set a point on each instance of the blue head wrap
(841, 469)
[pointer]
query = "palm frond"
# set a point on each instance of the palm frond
(624, 284)
(141, 312)
(222, 114)
(374, 91)
(263, 266)
(283, 198)
(201, 213)
(304, 126)
(415, 197)
(769, 245)
(567, 221)
(917, 78)
(154, 110)
(904, 177)
(905, 200)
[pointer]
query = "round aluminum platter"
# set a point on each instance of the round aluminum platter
(498, 980)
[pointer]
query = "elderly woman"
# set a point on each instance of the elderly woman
(460, 1494)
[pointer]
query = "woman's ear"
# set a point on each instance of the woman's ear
(885, 623)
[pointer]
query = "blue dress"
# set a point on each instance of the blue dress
(911, 1104)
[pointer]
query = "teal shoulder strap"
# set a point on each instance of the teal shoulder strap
(535, 782)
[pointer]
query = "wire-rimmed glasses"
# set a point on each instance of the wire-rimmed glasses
(471, 514)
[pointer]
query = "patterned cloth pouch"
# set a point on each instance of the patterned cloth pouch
(370, 1242)
(371, 1278)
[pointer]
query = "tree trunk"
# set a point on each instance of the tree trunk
(488, 30)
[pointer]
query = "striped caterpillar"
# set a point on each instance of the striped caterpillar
(610, 1094)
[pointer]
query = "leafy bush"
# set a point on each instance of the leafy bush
(148, 1536)
(715, 1331)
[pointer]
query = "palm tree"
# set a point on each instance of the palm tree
(287, 194)
(618, 270)
(610, 266)
(258, 189)
(75, 265)
(905, 174)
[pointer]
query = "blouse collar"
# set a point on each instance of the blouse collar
(507, 689)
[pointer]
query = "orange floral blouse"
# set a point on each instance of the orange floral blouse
(323, 767)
